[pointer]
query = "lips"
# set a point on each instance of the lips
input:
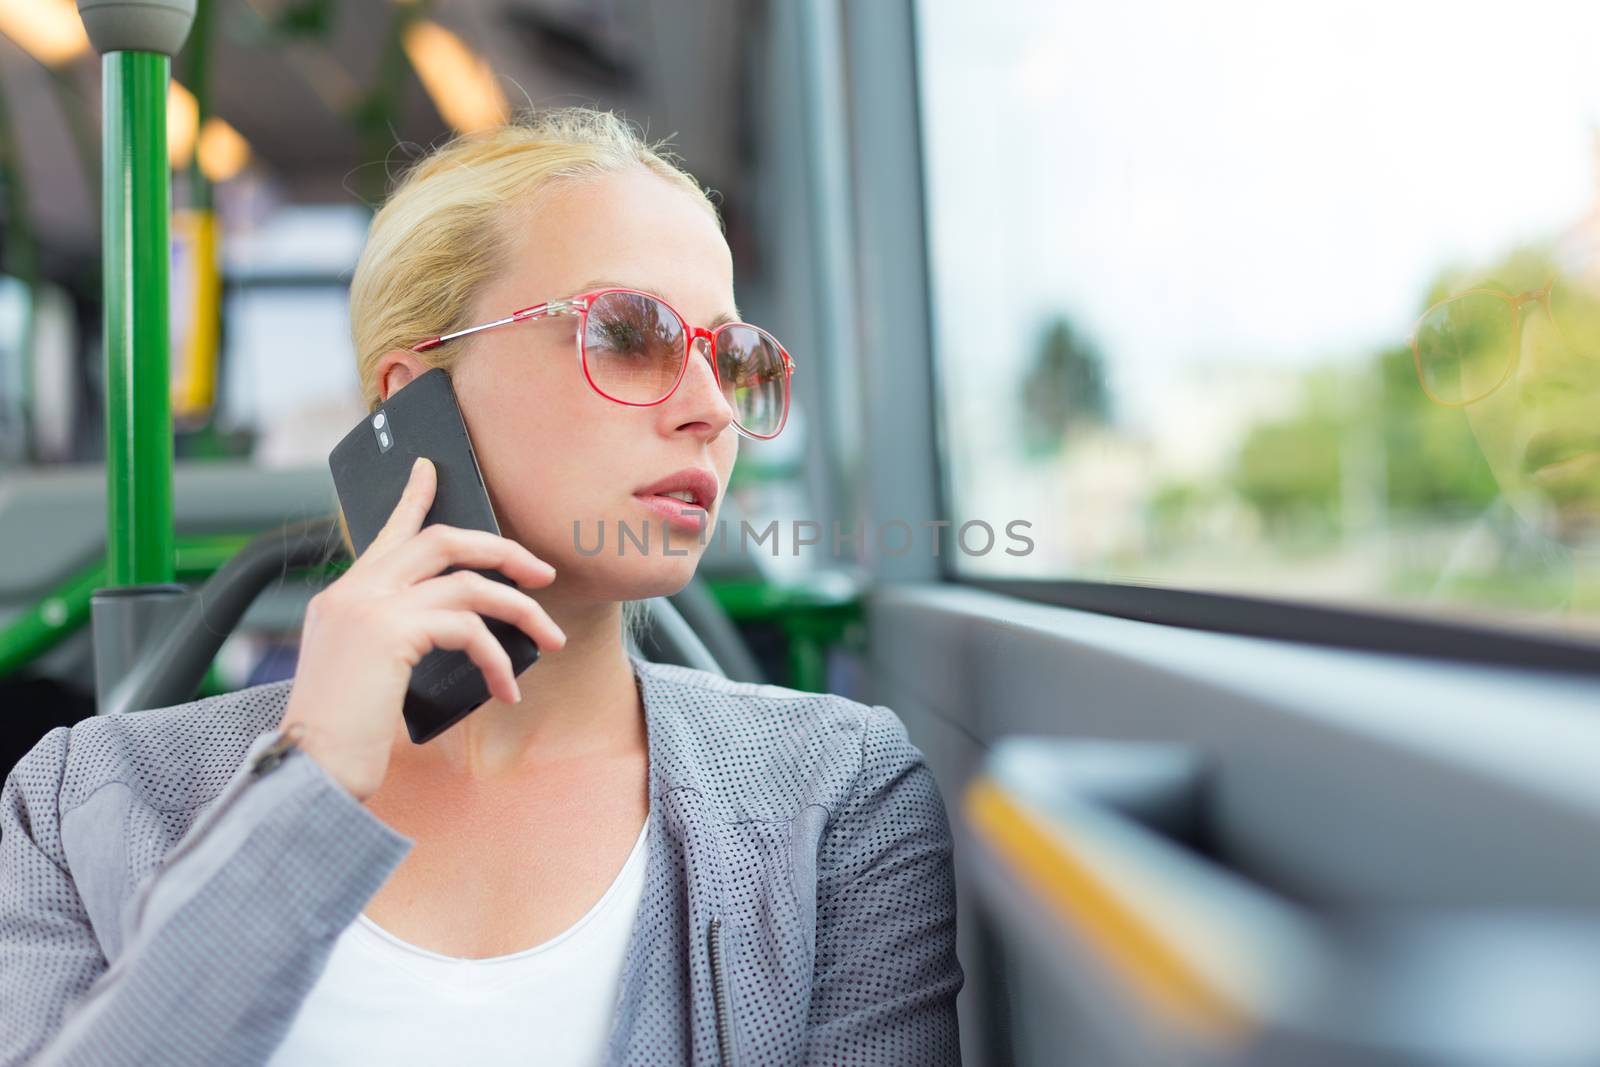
(699, 483)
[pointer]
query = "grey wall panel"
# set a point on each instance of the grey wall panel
(1338, 777)
(1334, 777)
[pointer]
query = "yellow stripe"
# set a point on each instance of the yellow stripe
(194, 386)
(1132, 945)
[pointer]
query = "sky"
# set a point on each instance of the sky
(1238, 182)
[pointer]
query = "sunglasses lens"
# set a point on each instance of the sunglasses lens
(751, 367)
(633, 347)
(1464, 347)
(634, 351)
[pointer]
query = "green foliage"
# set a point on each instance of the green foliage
(1289, 469)
(1433, 464)
(1066, 386)
(1172, 511)
(1368, 419)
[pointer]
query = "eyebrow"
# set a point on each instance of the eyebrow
(606, 283)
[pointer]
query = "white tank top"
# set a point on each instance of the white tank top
(382, 1000)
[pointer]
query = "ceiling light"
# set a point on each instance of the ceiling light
(461, 83)
(48, 30)
(223, 150)
(183, 120)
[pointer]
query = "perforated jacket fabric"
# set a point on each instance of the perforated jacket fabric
(164, 901)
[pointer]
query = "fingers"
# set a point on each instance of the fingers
(463, 631)
(439, 547)
(484, 596)
(407, 553)
(406, 518)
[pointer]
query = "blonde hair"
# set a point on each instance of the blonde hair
(439, 238)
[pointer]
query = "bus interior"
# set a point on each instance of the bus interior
(1195, 441)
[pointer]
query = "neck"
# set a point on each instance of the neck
(576, 702)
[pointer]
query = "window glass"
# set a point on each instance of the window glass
(289, 366)
(1274, 298)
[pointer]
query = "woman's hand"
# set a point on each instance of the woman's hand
(365, 632)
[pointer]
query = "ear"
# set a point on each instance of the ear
(396, 368)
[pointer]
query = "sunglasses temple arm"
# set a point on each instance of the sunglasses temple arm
(435, 342)
(558, 307)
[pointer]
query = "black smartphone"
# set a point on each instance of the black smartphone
(370, 469)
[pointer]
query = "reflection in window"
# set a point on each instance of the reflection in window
(1253, 297)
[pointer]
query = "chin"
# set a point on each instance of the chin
(666, 579)
(596, 562)
(635, 577)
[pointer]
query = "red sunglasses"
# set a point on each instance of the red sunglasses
(634, 349)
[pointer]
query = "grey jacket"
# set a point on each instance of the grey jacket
(170, 892)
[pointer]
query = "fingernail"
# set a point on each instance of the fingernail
(416, 465)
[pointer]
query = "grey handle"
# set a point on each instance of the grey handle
(152, 644)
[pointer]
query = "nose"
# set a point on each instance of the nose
(699, 403)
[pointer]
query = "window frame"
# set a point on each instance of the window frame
(1402, 629)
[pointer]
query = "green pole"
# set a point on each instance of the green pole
(136, 204)
(137, 40)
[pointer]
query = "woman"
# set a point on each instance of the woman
(632, 863)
